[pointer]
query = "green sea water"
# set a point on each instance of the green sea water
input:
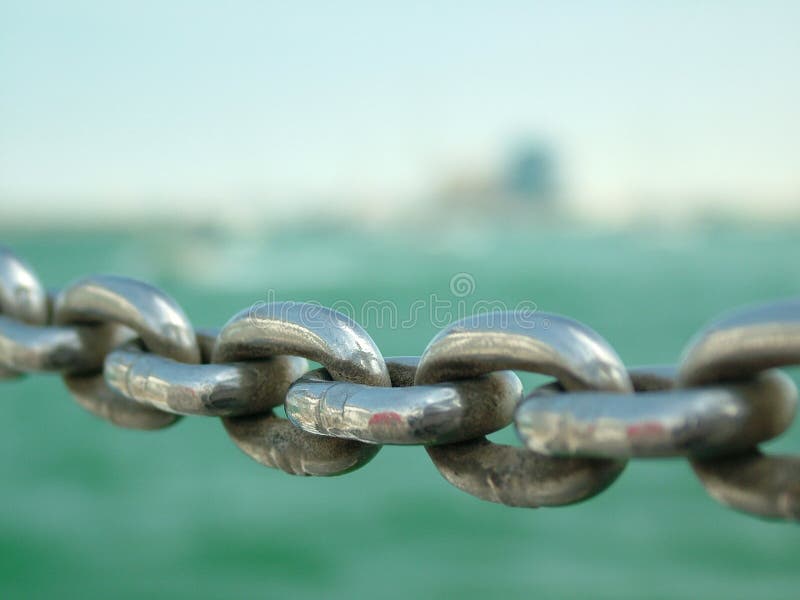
(91, 511)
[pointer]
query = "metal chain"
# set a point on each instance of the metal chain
(129, 354)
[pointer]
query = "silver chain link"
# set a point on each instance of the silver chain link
(129, 354)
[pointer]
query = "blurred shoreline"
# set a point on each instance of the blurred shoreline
(321, 251)
(247, 218)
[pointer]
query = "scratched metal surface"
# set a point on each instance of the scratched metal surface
(182, 513)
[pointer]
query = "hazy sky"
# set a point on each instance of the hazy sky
(188, 104)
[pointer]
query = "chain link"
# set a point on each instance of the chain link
(311, 332)
(22, 297)
(404, 413)
(129, 354)
(547, 344)
(119, 309)
(218, 390)
(740, 345)
(703, 421)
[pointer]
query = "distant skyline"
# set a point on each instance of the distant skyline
(196, 107)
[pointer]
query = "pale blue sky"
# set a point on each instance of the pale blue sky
(192, 103)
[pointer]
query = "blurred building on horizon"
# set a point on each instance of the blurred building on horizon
(527, 177)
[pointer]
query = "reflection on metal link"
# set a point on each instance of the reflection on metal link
(129, 354)
(25, 347)
(671, 422)
(107, 302)
(403, 414)
(220, 390)
(738, 345)
(543, 343)
(517, 477)
(753, 482)
(742, 343)
(308, 330)
(22, 295)
(549, 344)
(22, 298)
(316, 333)
(276, 443)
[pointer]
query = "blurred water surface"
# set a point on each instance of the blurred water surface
(97, 511)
